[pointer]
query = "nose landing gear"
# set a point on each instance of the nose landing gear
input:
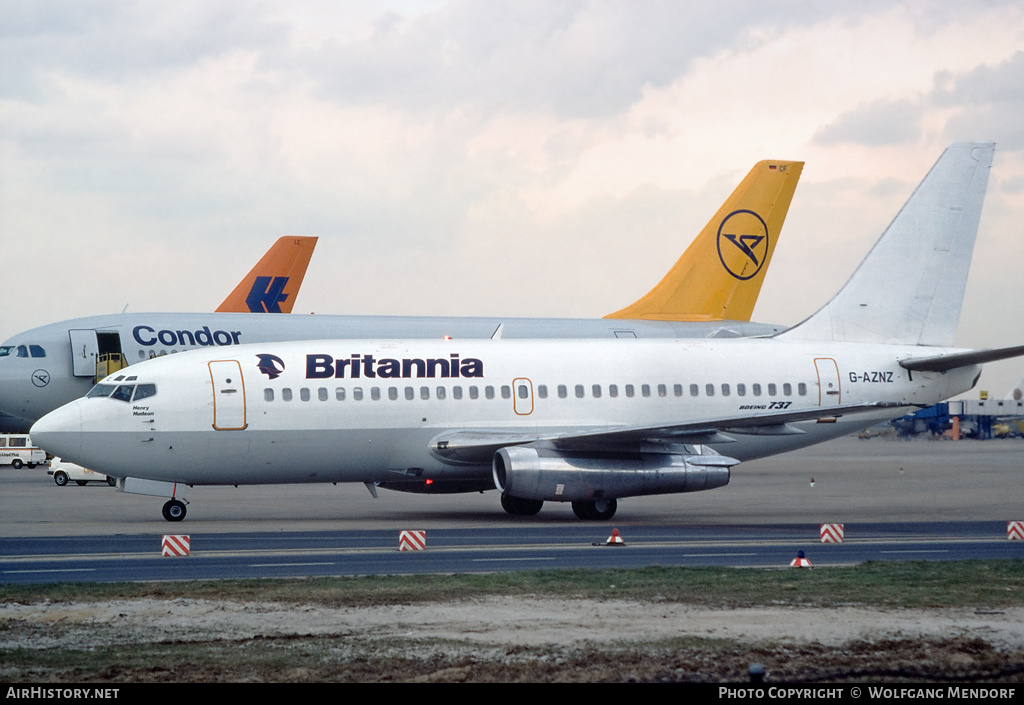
(174, 510)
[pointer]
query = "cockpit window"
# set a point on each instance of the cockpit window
(22, 351)
(101, 390)
(123, 392)
(145, 390)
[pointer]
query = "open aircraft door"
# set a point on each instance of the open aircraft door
(84, 352)
(228, 395)
(95, 353)
(829, 391)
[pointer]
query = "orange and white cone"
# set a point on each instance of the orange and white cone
(615, 539)
(800, 561)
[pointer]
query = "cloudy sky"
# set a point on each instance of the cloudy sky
(477, 157)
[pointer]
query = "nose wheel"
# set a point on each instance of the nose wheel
(174, 510)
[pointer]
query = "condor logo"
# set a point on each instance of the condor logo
(743, 243)
(267, 295)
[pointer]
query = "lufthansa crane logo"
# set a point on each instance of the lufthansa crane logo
(743, 243)
(270, 365)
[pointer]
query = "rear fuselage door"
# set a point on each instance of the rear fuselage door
(829, 392)
(228, 395)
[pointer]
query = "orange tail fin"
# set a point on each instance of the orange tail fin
(273, 284)
(720, 274)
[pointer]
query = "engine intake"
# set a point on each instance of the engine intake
(532, 473)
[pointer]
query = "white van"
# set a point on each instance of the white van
(69, 472)
(17, 449)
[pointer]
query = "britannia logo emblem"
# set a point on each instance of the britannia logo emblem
(743, 243)
(270, 365)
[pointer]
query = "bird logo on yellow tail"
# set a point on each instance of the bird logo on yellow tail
(743, 243)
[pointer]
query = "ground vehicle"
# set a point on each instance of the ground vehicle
(18, 450)
(64, 472)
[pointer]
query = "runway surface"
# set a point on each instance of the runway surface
(896, 499)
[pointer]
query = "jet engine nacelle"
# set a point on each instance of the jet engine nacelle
(530, 473)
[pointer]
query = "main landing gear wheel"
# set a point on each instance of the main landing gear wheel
(521, 507)
(598, 510)
(174, 510)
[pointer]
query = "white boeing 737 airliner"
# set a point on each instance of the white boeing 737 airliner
(580, 421)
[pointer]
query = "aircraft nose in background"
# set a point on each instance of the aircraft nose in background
(60, 431)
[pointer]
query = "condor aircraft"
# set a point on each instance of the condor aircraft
(581, 421)
(41, 368)
(709, 292)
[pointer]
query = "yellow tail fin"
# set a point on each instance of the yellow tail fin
(720, 274)
(273, 284)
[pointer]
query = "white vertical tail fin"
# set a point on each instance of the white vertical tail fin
(910, 287)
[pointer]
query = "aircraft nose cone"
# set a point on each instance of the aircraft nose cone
(60, 431)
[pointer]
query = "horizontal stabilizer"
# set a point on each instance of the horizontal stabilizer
(944, 363)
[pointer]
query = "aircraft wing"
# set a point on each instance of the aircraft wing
(476, 447)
